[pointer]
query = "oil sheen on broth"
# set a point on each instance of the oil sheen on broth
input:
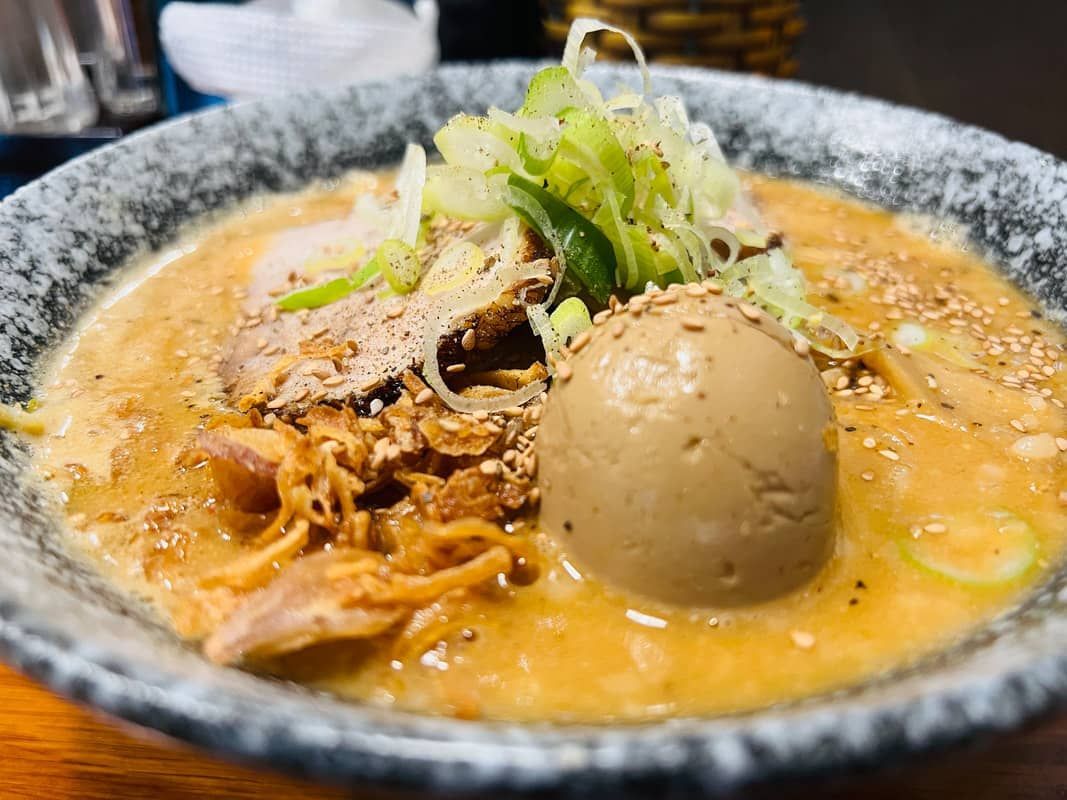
(128, 394)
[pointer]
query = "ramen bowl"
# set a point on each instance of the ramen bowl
(64, 237)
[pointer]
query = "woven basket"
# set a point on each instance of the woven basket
(743, 35)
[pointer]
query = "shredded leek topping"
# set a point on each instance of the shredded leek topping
(627, 192)
(570, 318)
(635, 192)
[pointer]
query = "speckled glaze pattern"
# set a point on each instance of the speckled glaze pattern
(64, 235)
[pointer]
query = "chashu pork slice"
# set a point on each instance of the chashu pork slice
(356, 349)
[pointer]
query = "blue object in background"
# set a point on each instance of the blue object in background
(23, 158)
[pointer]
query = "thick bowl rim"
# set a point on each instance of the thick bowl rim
(715, 754)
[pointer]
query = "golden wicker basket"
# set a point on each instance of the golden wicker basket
(744, 35)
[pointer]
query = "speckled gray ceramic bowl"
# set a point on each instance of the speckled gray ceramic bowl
(62, 236)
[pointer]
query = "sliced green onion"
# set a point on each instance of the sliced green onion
(585, 250)
(477, 142)
(575, 57)
(409, 185)
(326, 293)
(464, 193)
(457, 265)
(974, 548)
(552, 91)
(610, 220)
(540, 127)
(590, 144)
(570, 318)
(542, 326)
(399, 264)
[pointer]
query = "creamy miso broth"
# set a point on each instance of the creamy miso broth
(951, 487)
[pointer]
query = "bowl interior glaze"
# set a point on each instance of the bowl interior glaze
(65, 235)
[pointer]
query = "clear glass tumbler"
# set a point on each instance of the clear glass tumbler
(42, 86)
(123, 74)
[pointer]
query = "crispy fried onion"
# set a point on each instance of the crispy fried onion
(334, 562)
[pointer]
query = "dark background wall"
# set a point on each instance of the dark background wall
(1000, 64)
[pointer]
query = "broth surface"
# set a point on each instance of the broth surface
(128, 394)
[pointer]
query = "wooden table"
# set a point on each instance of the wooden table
(53, 749)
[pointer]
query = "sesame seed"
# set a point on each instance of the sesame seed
(395, 311)
(935, 527)
(867, 476)
(802, 639)
(454, 368)
(870, 443)
(801, 347)
(1061, 443)
(580, 341)
(564, 371)
(891, 455)
(1018, 425)
(181, 353)
(513, 411)
(489, 467)
(371, 384)
(692, 323)
(696, 290)
(601, 317)
(469, 339)
(334, 380)
(749, 312)
(665, 299)
(188, 393)
(617, 329)
(301, 394)
(842, 382)
(376, 405)
(277, 402)
(712, 286)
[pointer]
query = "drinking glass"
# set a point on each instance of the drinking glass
(42, 86)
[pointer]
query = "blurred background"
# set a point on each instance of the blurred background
(75, 74)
